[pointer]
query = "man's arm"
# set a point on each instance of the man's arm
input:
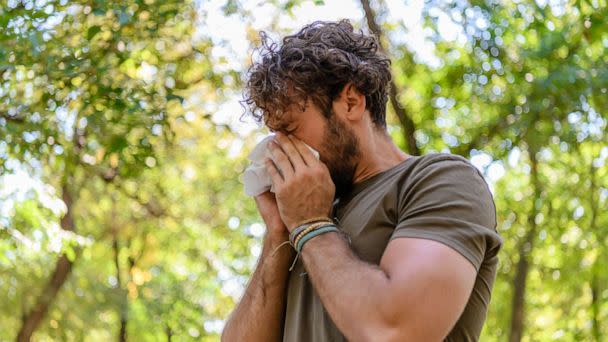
(416, 293)
(260, 313)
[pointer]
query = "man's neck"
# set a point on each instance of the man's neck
(378, 153)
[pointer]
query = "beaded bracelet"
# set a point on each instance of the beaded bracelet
(312, 220)
(304, 224)
(317, 229)
(294, 233)
(298, 232)
(316, 232)
(307, 230)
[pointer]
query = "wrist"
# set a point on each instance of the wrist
(324, 241)
(293, 226)
(275, 239)
(277, 247)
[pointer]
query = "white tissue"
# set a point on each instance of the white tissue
(255, 178)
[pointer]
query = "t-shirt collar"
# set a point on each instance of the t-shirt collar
(362, 185)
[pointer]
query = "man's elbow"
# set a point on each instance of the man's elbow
(396, 331)
(372, 330)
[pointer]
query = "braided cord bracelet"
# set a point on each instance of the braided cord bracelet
(321, 230)
(307, 230)
(307, 235)
(299, 232)
(305, 224)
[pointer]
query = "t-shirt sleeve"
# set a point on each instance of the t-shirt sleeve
(448, 201)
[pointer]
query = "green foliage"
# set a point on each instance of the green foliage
(106, 109)
(530, 80)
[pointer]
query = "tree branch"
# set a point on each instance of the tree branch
(409, 128)
(12, 118)
(482, 137)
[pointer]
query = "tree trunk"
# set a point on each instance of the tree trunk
(63, 267)
(122, 334)
(595, 304)
(409, 128)
(168, 332)
(517, 314)
(595, 269)
(523, 265)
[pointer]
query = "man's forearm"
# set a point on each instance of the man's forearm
(260, 313)
(348, 287)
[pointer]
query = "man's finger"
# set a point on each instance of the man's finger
(275, 176)
(280, 159)
(305, 152)
(291, 151)
(264, 197)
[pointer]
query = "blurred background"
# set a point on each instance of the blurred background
(122, 214)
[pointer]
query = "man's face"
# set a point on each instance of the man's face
(340, 153)
(335, 141)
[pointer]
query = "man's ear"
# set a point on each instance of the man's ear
(353, 102)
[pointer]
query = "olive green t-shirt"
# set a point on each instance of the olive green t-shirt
(440, 197)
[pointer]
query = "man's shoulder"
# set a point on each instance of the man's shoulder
(447, 165)
(440, 160)
(416, 173)
(416, 167)
(444, 177)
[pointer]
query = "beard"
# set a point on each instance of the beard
(342, 153)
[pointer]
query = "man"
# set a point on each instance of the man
(416, 256)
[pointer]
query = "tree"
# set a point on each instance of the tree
(135, 226)
(88, 89)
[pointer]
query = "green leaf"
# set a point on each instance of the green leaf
(69, 253)
(170, 97)
(118, 143)
(92, 31)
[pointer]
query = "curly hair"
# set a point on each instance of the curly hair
(316, 63)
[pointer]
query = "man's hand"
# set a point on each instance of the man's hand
(267, 206)
(303, 188)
